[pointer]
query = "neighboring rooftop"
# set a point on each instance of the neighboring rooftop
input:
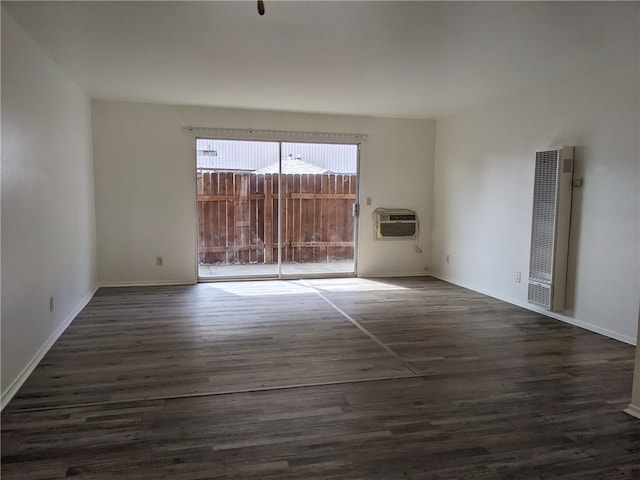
(292, 165)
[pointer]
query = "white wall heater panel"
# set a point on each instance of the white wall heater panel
(552, 191)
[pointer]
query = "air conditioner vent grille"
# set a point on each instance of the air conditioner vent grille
(393, 224)
(398, 229)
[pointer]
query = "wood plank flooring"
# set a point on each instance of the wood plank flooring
(142, 343)
(333, 379)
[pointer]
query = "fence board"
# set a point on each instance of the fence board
(260, 186)
(230, 219)
(268, 219)
(316, 252)
(252, 218)
(345, 215)
(212, 215)
(325, 214)
(331, 206)
(287, 218)
(203, 220)
(296, 213)
(214, 221)
(306, 217)
(275, 186)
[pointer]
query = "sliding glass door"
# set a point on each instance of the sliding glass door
(274, 209)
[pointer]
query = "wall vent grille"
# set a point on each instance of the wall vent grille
(552, 190)
(540, 294)
(544, 216)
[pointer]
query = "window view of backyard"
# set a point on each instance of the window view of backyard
(270, 208)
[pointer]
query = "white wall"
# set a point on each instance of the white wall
(483, 188)
(145, 185)
(48, 222)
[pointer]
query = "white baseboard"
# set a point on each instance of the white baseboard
(632, 410)
(15, 385)
(542, 311)
(159, 283)
(391, 275)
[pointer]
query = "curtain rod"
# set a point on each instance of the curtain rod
(274, 133)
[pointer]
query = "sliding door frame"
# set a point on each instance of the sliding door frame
(280, 140)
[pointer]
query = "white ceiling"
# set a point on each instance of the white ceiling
(396, 59)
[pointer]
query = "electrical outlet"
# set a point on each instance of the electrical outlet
(368, 200)
(446, 258)
(159, 261)
(518, 277)
(50, 304)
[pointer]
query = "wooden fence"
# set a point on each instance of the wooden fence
(238, 217)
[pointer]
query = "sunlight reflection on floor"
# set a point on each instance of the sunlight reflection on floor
(302, 287)
(352, 285)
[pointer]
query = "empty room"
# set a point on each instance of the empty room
(320, 240)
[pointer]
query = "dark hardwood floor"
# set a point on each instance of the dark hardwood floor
(408, 378)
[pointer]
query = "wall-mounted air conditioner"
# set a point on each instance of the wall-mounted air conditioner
(395, 223)
(552, 191)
